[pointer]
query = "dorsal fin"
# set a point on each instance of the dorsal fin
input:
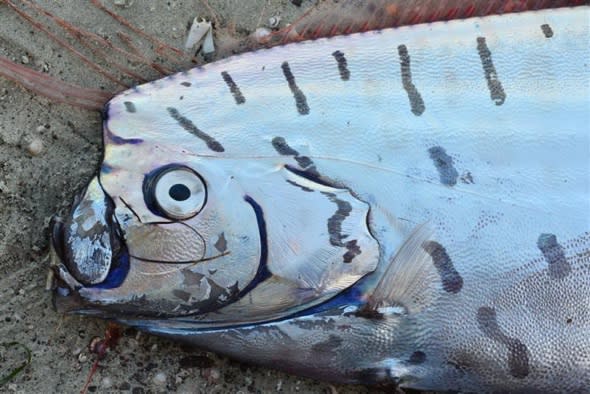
(338, 17)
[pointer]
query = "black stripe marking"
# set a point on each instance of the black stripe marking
(547, 30)
(554, 255)
(416, 101)
(130, 107)
(342, 65)
(186, 84)
(233, 88)
(518, 353)
(284, 149)
(262, 273)
(115, 139)
(417, 357)
(444, 164)
(189, 126)
(300, 100)
(451, 280)
(335, 228)
(494, 85)
(305, 189)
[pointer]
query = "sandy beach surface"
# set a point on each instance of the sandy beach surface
(48, 151)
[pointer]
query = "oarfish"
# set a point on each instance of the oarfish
(407, 206)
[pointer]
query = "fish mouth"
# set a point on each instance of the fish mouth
(87, 248)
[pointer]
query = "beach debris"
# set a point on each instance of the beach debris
(99, 347)
(123, 3)
(261, 34)
(274, 21)
(200, 36)
(5, 378)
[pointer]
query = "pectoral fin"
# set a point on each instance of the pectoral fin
(411, 279)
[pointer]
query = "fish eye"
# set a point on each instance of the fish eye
(176, 191)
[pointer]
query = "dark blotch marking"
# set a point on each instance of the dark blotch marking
(417, 357)
(518, 354)
(191, 278)
(353, 251)
(335, 228)
(547, 30)
(183, 295)
(130, 107)
(300, 100)
(554, 254)
(451, 280)
(284, 149)
(494, 85)
(444, 164)
(416, 101)
(221, 244)
(342, 65)
(187, 84)
(189, 126)
(233, 88)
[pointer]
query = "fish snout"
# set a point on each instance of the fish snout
(87, 241)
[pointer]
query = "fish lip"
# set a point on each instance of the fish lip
(62, 284)
(69, 288)
(88, 239)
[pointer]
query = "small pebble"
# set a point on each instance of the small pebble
(212, 375)
(154, 347)
(261, 34)
(279, 385)
(159, 379)
(25, 59)
(35, 147)
(12, 387)
(106, 382)
(123, 3)
(76, 351)
(82, 358)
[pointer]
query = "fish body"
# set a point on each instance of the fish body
(406, 206)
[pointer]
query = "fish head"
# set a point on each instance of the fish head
(176, 225)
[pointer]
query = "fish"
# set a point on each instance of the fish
(405, 206)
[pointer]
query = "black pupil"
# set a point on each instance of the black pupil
(179, 192)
